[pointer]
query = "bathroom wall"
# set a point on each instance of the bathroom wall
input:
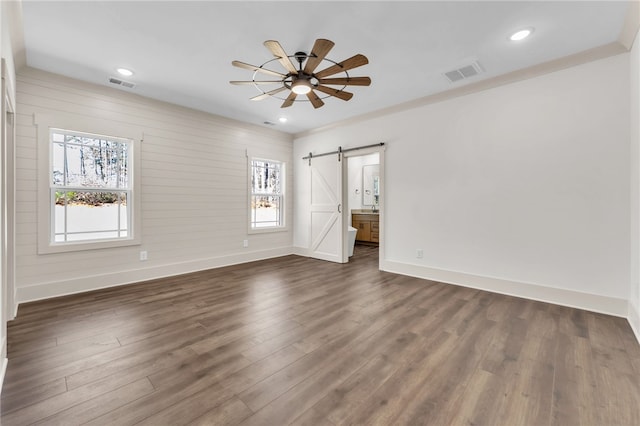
(355, 189)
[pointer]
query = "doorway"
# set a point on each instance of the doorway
(329, 212)
(363, 197)
(7, 210)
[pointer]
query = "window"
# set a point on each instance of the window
(267, 195)
(90, 187)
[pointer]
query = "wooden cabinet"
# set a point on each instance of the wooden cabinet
(368, 227)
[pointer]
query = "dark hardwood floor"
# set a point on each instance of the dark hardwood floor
(306, 342)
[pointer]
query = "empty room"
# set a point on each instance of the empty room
(320, 213)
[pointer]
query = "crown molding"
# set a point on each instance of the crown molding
(631, 25)
(13, 10)
(590, 55)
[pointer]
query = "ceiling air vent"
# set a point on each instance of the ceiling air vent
(463, 72)
(122, 83)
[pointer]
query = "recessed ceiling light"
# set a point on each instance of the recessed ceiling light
(125, 72)
(521, 34)
(282, 119)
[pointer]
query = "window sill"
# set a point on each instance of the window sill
(86, 245)
(268, 230)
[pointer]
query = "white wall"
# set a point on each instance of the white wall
(634, 295)
(9, 11)
(355, 179)
(521, 189)
(194, 189)
(7, 23)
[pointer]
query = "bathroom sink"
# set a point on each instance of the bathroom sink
(365, 211)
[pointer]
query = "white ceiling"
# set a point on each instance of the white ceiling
(181, 51)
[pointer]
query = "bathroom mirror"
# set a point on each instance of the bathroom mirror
(371, 185)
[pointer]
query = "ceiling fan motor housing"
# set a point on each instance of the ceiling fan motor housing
(300, 57)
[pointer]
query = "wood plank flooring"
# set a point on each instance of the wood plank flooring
(306, 342)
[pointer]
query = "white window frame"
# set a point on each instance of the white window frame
(65, 187)
(282, 195)
(46, 199)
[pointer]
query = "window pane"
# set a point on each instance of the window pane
(100, 167)
(92, 162)
(59, 214)
(90, 215)
(58, 164)
(97, 167)
(92, 236)
(124, 213)
(266, 177)
(265, 211)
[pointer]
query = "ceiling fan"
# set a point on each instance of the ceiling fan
(305, 81)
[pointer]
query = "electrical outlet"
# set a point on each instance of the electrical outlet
(245, 243)
(143, 255)
(419, 253)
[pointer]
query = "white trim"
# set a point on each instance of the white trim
(96, 282)
(284, 220)
(380, 150)
(634, 320)
(8, 213)
(558, 296)
(630, 26)
(300, 251)
(5, 363)
(586, 56)
(93, 126)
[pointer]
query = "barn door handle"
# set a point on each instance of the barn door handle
(339, 207)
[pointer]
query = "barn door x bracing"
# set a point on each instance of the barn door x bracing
(326, 209)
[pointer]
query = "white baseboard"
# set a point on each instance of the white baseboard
(557, 296)
(300, 251)
(634, 320)
(96, 282)
(5, 362)
(591, 302)
(15, 304)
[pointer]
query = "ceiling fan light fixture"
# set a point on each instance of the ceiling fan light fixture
(301, 87)
(305, 80)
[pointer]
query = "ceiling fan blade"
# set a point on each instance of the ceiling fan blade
(240, 83)
(277, 50)
(345, 96)
(289, 101)
(255, 68)
(346, 81)
(269, 93)
(320, 49)
(348, 64)
(315, 100)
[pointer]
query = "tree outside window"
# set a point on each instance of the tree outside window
(90, 187)
(267, 180)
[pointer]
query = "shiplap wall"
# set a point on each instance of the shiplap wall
(193, 189)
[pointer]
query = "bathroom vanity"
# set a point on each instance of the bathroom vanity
(368, 225)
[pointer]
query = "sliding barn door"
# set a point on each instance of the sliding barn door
(326, 209)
